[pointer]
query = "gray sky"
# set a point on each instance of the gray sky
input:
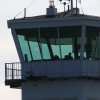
(8, 10)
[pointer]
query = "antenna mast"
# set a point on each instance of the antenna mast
(51, 2)
(71, 4)
(64, 3)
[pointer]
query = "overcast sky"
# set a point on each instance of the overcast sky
(8, 10)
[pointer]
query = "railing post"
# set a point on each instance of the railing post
(81, 65)
(5, 71)
(12, 72)
(46, 69)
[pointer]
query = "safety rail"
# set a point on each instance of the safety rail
(12, 71)
(53, 69)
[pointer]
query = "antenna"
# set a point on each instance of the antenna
(51, 3)
(76, 7)
(64, 3)
(71, 4)
(24, 12)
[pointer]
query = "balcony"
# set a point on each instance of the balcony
(58, 69)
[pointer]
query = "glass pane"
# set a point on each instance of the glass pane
(93, 44)
(29, 43)
(48, 37)
(45, 51)
(46, 45)
(35, 50)
(70, 42)
(65, 49)
(56, 50)
(24, 47)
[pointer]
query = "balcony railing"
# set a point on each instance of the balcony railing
(53, 69)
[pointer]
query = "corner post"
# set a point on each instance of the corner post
(83, 32)
(5, 71)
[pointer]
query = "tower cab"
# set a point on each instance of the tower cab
(62, 45)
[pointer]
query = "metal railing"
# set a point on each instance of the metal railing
(53, 69)
(13, 71)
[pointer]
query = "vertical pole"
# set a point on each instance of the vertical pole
(51, 3)
(30, 49)
(59, 41)
(24, 12)
(12, 72)
(5, 71)
(64, 8)
(58, 33)
(71, 4)
(76, 7)
(40, 46)
(99, 46)
(68, 8)
(83, 30)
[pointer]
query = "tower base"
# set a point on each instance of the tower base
(71, 89)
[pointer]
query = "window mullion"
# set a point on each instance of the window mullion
(40, 45)
(59, 42)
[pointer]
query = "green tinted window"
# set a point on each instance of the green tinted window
(24, 47)
(56, 50)
(35, 50)
(46, 43)
(45, 51)
(92, 46)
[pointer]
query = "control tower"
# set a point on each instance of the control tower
(59, 56)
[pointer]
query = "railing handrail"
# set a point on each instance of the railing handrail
(12, 68)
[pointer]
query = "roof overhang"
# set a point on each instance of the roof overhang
(54, 22)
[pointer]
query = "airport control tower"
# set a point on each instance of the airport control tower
(59, 55)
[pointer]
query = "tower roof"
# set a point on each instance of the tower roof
(61, 19)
